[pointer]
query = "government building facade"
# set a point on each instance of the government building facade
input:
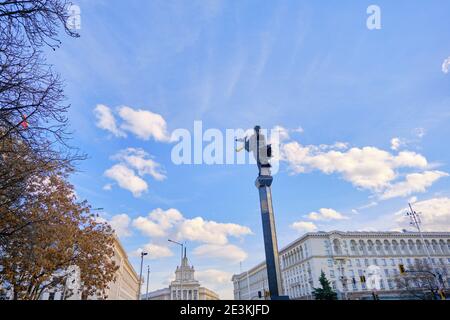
(124, 287)
(345, 257)
(184, 287)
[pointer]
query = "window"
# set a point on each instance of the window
(375, 262)
(383, 261)
(390, 284)
(358, 263)
(330, 263)
(392, 262)
(51, 296)
(332, 273)
(349, 262)
(386, 272)
(366, 262)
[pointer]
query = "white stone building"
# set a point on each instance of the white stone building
(184, 287)
(125, 286)
(344, 257)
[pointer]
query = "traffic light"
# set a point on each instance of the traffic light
(362, 279)
(401, 267)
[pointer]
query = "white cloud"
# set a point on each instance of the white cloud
(228, 252)
(414, 183)
(419, 132)
(154, 251)
(157, 251)
(141, 161)
(213, 236)
(217, 280)
(412, 200)
(369, 205)
(325, 214)
(134, 165)
(446, 65)
(121, 225)
(434, 213)
(144, 124)
(107, 187)
(283, 133)
(212, 232)
(164, 223)
(214, 276)
(298, 130)
(367, 168)
(396, 143)
(304, 226)
(106, 120)
(127, 179)
(158, 222)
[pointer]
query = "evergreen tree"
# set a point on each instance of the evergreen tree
(326, 292)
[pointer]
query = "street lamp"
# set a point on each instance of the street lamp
(148, 280)
(140, 273)
(181, 264)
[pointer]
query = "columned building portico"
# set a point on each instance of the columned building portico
(184, 287)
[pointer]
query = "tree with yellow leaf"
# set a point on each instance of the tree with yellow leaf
(61, 233)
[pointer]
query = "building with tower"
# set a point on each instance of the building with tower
(184, 287)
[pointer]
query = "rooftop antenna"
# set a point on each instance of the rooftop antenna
(416, 221)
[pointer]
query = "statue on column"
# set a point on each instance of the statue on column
(256, 144)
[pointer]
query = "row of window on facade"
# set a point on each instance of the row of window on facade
(295, 255)
(389, 247)
(390, 261)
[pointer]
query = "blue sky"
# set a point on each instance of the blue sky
(142, 69)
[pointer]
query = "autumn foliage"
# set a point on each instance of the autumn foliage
(44, 227)
(46, 230)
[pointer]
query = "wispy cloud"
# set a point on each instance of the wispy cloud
(304, 226)
(446, 65)
(413, 183)
(107, 121)
(325, 214)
